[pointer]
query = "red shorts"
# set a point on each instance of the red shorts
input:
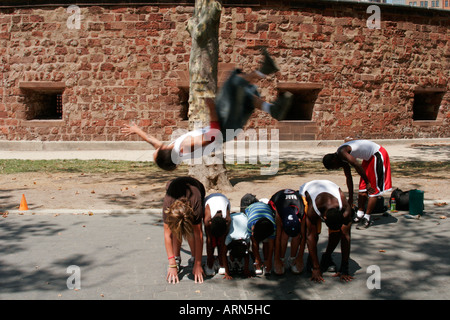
(378, 171)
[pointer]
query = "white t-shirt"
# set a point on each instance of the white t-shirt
(317, 187)
(238, 228)
(178, 156)
(362, 149)
(217, 202)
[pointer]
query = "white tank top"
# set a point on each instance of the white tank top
(217, 202)
(178, 156)
(362, 149)
(317, 187)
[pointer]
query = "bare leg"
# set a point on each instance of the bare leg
(284, 242)
(371, 204)
(295, 243)
(362, 199)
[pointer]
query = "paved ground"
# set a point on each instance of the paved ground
(121, 255)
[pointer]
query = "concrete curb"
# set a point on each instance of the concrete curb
(36, 145)
(246, 149)
(85, 211)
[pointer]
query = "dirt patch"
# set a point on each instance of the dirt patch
(138, 190)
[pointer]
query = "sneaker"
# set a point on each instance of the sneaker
(268, 66)
(258, 271)
(191, 261)
(327, 264)
(209, 271)
(281, 106)
(221, 271)
(293, 266)
(357, 219)
(364, 224)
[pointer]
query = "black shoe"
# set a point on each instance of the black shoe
(281, 106)
(327, 264)
(268, 66)
(364, 224)
(357, 219)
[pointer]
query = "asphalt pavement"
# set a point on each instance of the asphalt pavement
(112, 255)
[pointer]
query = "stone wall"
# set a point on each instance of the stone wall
(129, 63)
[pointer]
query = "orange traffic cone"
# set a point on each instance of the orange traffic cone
(23, 204)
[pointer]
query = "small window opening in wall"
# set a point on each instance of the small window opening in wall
(303, 103)
(43, 99)
(44, 106)
(426, 103)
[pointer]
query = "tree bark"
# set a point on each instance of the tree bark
(204, 30)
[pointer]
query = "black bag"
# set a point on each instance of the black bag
(401, 199)
(380, 207)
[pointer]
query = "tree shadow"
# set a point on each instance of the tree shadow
(414, 259)
(421, 169)
(440, 150)
(15, 278)
(252, 173)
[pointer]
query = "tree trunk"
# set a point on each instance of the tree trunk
(204, 30)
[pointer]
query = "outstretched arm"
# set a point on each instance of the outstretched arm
(344, 154)
(134, 129)
(345, 239)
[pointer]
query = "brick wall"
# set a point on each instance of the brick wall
(129, 63)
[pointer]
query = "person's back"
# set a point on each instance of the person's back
(258, 211)
(316, 187)
(362, 149)
(238, 228)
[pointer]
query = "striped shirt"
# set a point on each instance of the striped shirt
(257, 211)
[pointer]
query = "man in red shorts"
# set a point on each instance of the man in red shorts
(374, 172)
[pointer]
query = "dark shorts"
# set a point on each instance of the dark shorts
(234, 104)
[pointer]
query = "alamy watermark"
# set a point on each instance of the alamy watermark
(74, 280)
(374, 21)
(374, 280)
(74, 20)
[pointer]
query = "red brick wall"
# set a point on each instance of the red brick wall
(129, 63)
